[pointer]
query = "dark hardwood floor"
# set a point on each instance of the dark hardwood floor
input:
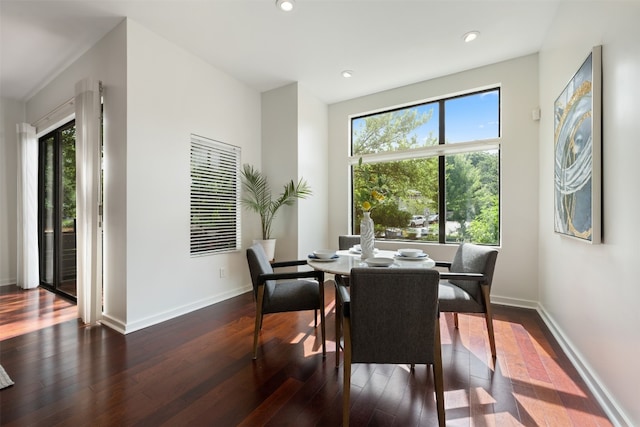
(197, 370)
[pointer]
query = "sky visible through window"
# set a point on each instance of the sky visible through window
(429, 129)
(471, 118)
(468, 118)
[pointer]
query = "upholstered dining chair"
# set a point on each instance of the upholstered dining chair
(466, 286)
(345, 242)
(391, 316)
(283, 292)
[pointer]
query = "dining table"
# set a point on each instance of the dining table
(344, 260)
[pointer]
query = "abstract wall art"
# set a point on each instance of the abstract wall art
(578, 153)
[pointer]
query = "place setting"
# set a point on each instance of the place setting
(324, 255)
(357, 249)
(379, 262)
(410, 254)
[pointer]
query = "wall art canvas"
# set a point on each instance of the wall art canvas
(577, 152)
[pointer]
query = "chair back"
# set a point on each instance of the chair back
(392, 314)
(347, 241)
(470, 258)
(258, 264)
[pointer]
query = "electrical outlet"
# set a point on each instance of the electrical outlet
(223, 272)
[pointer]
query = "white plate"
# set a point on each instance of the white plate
(323, 259)
(355, 251)
(423, 257)
(411, 252)
(379, 262)
(324, 253)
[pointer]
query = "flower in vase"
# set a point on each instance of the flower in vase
(374, 198)
(370, 193)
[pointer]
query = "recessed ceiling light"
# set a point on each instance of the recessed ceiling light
(347, 73)
(470, 36)
(285, 5)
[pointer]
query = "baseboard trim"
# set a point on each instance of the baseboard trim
(113, 323)
(615, 413)
(514, 302)
(127, 328)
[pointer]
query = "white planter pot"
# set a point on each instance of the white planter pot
(269, 247)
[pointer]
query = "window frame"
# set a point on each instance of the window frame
(58, 284)
(440, 150)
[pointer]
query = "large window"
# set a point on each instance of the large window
(433, 169)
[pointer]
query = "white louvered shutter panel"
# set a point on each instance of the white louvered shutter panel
(215, 196)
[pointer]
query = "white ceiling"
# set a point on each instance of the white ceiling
(387, 43)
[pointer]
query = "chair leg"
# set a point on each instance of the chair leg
(338, 331)
(322, 326)
(346, 366)
(488, 315)
(438, 376)
(315, 318)
(455, 320)
(258, 325)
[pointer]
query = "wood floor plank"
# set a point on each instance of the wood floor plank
(395, 390)
(366, 403)
(197, 370)
(272, 404)
(535, 369)
(530, 409)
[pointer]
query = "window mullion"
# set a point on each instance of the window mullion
(442, 201)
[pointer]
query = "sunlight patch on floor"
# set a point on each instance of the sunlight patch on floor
(456, 399)
(298, 338)
(480, 396)
(501, 419)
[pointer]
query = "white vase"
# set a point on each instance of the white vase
(367, 236)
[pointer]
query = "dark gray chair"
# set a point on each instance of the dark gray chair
(347, 241)
(391, 316)
(466, 287)
(286, 291)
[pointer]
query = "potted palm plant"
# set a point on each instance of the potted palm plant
(257, 196)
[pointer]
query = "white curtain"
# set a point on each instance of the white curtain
(88, 233)
(28, 274)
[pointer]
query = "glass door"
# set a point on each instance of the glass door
(57, 210)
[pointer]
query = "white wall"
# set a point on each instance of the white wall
(516, 275)
(280, 162)
(294, 139)
(172, 94)
(590, 292)
(156, 95)
(11, 112)
(313, 152)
